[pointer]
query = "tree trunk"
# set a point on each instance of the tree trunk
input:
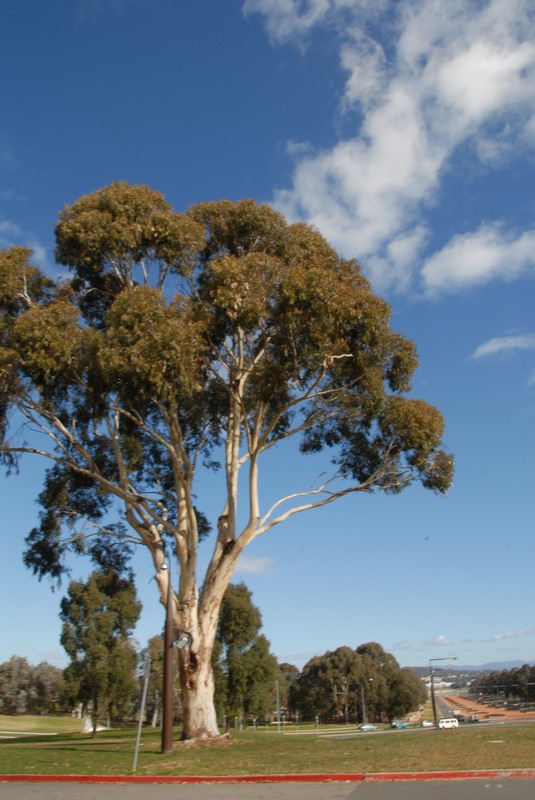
(197, 689)
(195, 663)
(155, 713)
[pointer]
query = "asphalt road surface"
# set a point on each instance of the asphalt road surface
(399, 790)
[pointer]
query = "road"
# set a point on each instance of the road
(402, 790)
(352, 734)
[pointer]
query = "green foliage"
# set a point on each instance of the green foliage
(183, 341)
(98, 616)
(21, 284)
(122, 232)
(287, 676)
(511, 683)
(153, 344)
(173, 322)
(27, 689)
(245, 669)
(332, 686)
(153, 709)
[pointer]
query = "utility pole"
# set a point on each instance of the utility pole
(433, 701)
(278, 701)
(363, 701)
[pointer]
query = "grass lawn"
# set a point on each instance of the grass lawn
(29, 723)
(267, 751)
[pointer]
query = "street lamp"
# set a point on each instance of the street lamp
(444, 658)
(171, 638)
(363, 701)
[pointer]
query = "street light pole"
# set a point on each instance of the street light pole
(363, 701)
(444, 658)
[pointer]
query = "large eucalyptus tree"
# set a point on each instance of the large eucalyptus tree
(180, 339)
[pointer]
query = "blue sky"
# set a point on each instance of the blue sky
(403, 130)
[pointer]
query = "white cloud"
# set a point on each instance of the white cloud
(8, 232)
(498, 637)
(441, 641)
(529, 130)
(493, 84)
(286, 19)
(39, 256)
(249, 565)
(427, 77)
(295, 19)
(504, 344)
(11, 234)
(478, 257)
(297, 148)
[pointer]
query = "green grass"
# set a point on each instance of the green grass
(40, 724)
(267, 752)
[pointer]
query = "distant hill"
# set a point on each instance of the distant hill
(493, 666)
(459, 669)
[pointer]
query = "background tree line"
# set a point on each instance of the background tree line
(28, 689)
(105, 669)
(512, 683)
(366, 684)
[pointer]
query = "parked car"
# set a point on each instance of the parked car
(427, 724)
(368, 727)
(397, 723)
(448, 722)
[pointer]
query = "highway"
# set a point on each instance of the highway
(398, 790)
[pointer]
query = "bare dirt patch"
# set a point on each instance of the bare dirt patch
(468, 707)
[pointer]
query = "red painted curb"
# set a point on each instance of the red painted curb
(489, 774)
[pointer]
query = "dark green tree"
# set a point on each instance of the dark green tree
(523, 682)
(245, 669)
(329, 686)
(408, 695)
(27, 689)
(49, 686)
(514, 683)
(308, 695)
(98, 617)
(17, 692)
(287, 675)
(182, 339)
(155, 685)
(333, 685)
(154, 651)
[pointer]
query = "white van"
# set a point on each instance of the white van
(448, 723)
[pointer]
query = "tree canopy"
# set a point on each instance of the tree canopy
(334, 685)
(245, 670)
(518, 682)
(29, 689)
(184, 341)
(98, 617)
